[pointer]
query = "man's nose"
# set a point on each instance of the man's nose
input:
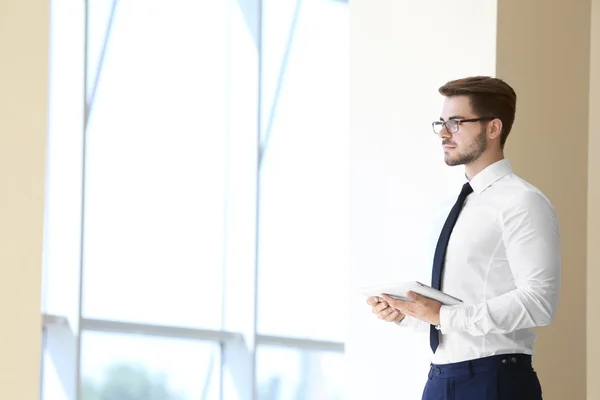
(444, 134)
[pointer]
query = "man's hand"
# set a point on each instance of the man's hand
(420, 307)
(383, 310)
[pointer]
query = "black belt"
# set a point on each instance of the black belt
(479, 364)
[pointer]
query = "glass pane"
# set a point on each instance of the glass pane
(156, 140)
(280, 35)
(304, 198)
(98, 27)
(130, 367)
(293, 374)
(59, 361)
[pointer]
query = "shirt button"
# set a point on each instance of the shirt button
(504, 361)
(513, 360)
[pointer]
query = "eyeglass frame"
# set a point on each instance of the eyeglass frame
(443, 124)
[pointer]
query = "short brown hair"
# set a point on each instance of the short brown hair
(488, 96)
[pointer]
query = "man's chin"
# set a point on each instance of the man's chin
(452, 162)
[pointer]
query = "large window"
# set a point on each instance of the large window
(304, 207)
(196, 236)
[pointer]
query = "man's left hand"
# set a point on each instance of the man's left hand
(420, 307)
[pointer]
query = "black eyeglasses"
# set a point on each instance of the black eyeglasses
(453, 124)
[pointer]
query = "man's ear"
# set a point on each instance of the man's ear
(495, 129)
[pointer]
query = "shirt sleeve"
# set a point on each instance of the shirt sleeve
(532, 241)
(414, 323)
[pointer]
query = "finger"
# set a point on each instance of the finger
(417, 298)
(380, 307)
(396, 303)
(372, 300)
(392, 316)
(399, 318)
(387, 298)
(385, 313)
(405, 307)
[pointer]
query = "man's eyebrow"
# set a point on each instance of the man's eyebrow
(453, 117)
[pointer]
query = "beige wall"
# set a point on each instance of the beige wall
(593, 240)
(543, 51)
(23, 98)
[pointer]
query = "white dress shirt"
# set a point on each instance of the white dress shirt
(503, 260)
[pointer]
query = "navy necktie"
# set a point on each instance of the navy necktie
(440, 254)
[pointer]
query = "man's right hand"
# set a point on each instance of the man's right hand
(382, 309)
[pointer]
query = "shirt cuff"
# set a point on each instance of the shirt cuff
(451, 318)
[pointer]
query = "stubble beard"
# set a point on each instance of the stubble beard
(473, 152)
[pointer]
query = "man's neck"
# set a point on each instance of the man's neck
(484, 161)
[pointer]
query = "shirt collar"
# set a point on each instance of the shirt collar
(489, 175)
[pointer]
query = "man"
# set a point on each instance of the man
(499, 252)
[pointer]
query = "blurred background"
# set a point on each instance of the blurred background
(193, 191)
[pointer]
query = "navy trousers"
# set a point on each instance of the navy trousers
(502, 377)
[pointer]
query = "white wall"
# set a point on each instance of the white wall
(401, 189)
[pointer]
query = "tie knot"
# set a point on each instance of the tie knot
(466, 190)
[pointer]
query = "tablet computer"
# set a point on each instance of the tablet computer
(399, 290)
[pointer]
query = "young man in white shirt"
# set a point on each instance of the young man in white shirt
(499, 252)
